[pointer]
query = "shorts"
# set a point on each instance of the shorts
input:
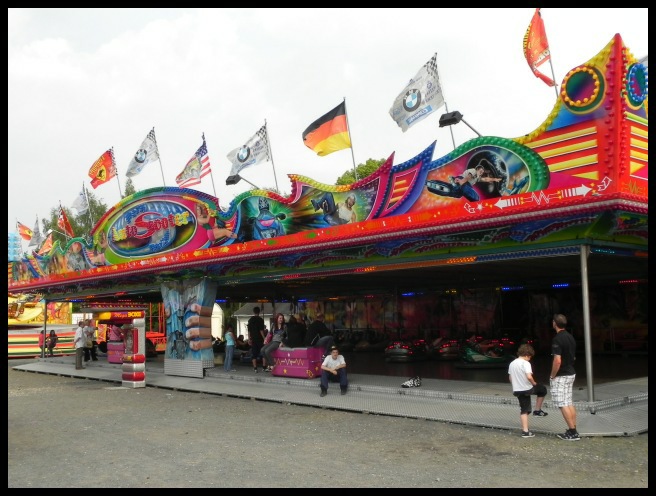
(524, 397)
(561, 390)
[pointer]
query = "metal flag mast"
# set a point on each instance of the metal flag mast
(211, 173)
(348, 127)
(86, 197)
(120, 193)
(159, 157)
(266, 130)
(553, 74)
(446, 107)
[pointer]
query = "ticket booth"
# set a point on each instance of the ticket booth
(122, 331)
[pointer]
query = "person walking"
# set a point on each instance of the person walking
(256, 336)
(563, 373)
(230, 342)
(279, 333)
(520, 374)
(79, 341)
(334, 366)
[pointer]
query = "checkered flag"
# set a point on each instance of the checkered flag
(254, 151)
(431, 67)
(262, 135)
(421, 97)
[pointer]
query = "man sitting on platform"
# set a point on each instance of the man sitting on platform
(333, 367)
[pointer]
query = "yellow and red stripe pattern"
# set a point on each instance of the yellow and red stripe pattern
(329, 133)
(21, 344)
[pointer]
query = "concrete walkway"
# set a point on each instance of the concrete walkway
(620, 408)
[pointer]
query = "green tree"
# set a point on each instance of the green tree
(129, 188)
(363, 170)
(81, 224)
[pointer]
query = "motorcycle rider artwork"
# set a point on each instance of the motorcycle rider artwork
(266, 225)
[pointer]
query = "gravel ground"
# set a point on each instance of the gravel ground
(71, 432)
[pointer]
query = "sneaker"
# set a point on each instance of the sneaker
(343, 392)
(413, 382)
(233, 370)
(569, 436)
(267, 369)
(255, 369)
(323, 393)
(540, 413)
(527, 434)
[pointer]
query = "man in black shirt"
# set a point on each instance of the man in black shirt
(318, 334)
(563, 350)
(256, 336)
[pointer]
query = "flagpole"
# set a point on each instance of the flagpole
(212, 178)
(266, 129)
(553, 74)
(211, 173)
(118, 181)
(86, 197)
(453, 140)
(446, 107)
(161, 169)
(348, 126)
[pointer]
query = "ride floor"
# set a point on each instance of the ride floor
(619, 408)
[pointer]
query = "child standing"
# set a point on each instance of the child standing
(520, 374)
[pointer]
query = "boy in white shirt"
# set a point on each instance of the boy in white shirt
(520, 374)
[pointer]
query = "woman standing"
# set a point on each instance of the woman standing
(279, 331)
(229, 337)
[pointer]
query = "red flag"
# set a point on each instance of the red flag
(536, 47)
(63, 223)
(46, 246)
(103, 169)
(25, 232)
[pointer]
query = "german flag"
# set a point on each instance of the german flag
(329, 133)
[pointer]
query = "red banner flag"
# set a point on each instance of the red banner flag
(25, 232)
(64, 223)
(103, 169)
(46, 246)
(536, 47)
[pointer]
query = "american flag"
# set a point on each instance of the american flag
(196, 169)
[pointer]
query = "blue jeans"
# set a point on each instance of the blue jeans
(341, 374)
(227, 362)
(326, 343)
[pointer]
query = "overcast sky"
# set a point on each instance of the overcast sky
(84, 80)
